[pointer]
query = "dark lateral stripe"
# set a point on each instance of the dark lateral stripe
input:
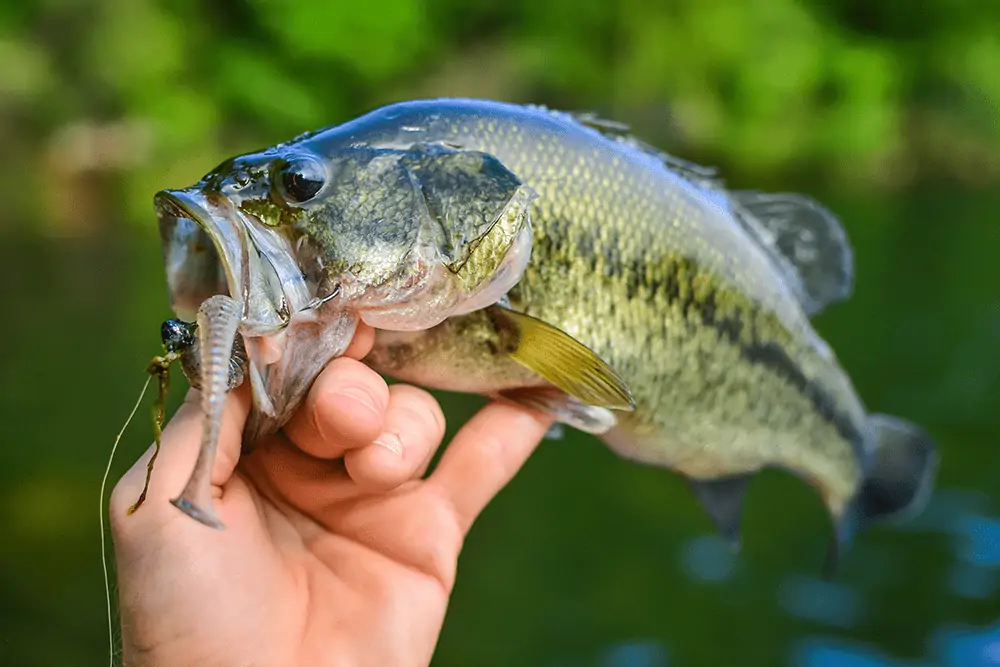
(768, 354)
(675, 280)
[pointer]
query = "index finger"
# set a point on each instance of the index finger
(485, 455)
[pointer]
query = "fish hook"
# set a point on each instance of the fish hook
(317, 303)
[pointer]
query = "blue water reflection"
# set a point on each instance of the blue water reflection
(648, 653)
(630, 653)
(972, 581)
(709, 558)
(968, 647)
(822, 652)
(974, 574)
(821, 601)
(980, 540)
(945, 509)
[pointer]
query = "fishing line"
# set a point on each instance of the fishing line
(104, 550)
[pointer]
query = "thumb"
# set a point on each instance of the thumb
(179, 446)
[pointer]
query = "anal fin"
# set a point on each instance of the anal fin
(723, 499)
(563, 408)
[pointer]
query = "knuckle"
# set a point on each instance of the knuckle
(420, 406)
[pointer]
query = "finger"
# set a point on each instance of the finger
(313, 485)
(411, 433)
(361, 344)
(485, 455)
(179, 446)
(345, 409)
(283, 472)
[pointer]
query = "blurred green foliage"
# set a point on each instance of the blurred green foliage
(135, 94)
(888, 111)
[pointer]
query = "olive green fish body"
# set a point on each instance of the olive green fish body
(668, 280)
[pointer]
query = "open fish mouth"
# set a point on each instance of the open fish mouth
(199, 264)
(210, 247)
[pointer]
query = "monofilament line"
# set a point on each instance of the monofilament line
(104, 550)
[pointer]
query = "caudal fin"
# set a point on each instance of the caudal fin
(898, 485)
(902, 471)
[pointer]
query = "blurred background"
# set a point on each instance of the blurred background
(887, 111)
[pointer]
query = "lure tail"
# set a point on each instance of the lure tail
(218, 320)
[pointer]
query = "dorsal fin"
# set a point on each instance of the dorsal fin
(707, 177)
(803, 239)
(808, 237)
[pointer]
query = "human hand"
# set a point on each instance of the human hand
(336, 552)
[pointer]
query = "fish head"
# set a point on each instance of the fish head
(310, 241)
(415, 235)
(409, 237)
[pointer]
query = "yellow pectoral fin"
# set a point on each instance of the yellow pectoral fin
(564, 361)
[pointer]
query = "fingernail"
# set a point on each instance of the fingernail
(391, 442)
(361, 396)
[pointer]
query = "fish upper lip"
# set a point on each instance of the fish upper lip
(229, 240)
(178, 204)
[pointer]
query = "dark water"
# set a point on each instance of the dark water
(584, 559)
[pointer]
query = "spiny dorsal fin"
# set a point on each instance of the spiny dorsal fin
(723, 500)
(707, 177)
(808, 237)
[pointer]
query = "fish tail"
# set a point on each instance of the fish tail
(901, 470)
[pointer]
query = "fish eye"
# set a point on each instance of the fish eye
(301, 179)
(177, 334)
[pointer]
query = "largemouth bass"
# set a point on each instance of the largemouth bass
(552, 260)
